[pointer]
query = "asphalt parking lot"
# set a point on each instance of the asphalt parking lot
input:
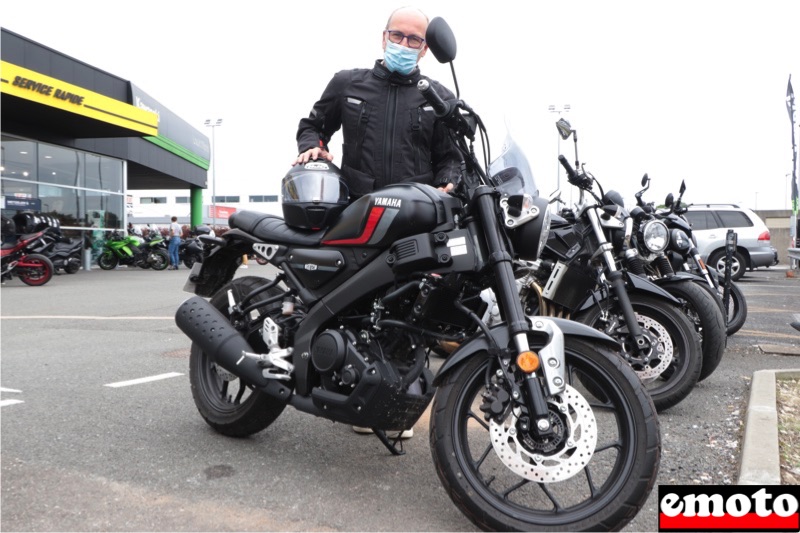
(99, 431)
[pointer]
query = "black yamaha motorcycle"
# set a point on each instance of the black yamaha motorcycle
(683, 256)
(537, 424)
(578, 276)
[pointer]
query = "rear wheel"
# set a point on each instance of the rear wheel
(158, 259)
(73, 264)
(107, 260)
(225, 403)
(670, 367)
(39, 273)
(595, 473)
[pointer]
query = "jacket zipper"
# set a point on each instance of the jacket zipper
(391, 111)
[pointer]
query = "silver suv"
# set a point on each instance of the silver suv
(710, 225)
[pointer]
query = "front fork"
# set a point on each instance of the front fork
(552, 355)
(617, 281)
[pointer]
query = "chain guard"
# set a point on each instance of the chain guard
(568, 458)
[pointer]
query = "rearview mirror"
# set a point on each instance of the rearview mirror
(441, 41)
(564, 128)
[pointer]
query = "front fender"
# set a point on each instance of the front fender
(633, 283)
(499, 332)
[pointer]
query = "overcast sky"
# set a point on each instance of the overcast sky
(682, 90)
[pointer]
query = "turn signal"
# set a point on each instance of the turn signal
(528, 362)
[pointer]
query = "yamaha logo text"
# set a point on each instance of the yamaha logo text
(728, 508)
(387, 202)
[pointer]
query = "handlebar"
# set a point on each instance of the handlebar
(440, 107)
(572, 176)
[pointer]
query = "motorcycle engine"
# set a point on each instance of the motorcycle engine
(361, 385)
(341, 358)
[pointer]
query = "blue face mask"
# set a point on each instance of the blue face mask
(400, 59)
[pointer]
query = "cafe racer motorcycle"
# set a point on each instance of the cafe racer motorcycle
(536, 424)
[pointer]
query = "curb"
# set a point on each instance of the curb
(760, 460)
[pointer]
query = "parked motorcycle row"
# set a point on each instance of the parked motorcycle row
(34, 249)
(564, 334)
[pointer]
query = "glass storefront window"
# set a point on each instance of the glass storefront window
(18, 159)
(80, 189)
(103, 173)
(63, 203)
(59, 165)
(103, 210)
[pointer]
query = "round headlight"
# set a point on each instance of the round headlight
(655, 236)
(529, 238)
(679, 241)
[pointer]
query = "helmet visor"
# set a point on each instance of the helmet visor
(315, 187)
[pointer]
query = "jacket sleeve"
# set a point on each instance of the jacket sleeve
(325, 117)
(445, 157)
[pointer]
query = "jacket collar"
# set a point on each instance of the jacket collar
(381, 72)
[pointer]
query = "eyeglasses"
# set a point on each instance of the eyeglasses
(413, 41)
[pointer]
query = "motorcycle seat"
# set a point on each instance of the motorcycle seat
(273, 229)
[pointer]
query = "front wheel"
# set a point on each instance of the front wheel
(702, 308)
(671, 365)
(737, 309)
(39, 273)
(594, 473)
(226, 404)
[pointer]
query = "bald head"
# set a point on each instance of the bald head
(408, 13)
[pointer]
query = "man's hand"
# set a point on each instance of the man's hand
(313, 153)
(446, 188)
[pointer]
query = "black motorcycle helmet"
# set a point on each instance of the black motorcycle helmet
(313, 195)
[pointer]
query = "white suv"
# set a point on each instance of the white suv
(710, 225)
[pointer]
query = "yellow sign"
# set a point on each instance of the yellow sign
(36, 87)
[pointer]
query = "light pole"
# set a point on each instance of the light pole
(563, 109)
(213, 126)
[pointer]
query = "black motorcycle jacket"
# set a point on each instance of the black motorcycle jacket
(390, 132)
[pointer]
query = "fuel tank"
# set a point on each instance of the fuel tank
(380, 218)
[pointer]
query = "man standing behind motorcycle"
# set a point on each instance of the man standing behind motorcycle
(175, 232)
(390, 132)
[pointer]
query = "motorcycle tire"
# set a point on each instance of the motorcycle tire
(703, 310)
(668, 378)
(603, 494)
(158, 259)
(107, 261)
(738, 264)
(737, 309)
(224, 402)
(38, 275)
(191, 259)
(73, 264)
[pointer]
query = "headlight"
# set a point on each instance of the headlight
(655, 236)
(530, 237)
(679, 241)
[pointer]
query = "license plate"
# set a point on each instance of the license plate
(193, 275)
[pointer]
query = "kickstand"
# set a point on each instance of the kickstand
(391, 446)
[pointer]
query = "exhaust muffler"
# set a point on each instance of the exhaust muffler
(213, 333)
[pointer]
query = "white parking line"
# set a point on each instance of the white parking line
(3, 403)
(3, 389)
(144, 380)
(74, 317)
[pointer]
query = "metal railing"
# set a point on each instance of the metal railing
(794, 257)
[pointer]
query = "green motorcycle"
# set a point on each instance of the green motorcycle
(121, 249)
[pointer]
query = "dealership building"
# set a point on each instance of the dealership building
(76, 140)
